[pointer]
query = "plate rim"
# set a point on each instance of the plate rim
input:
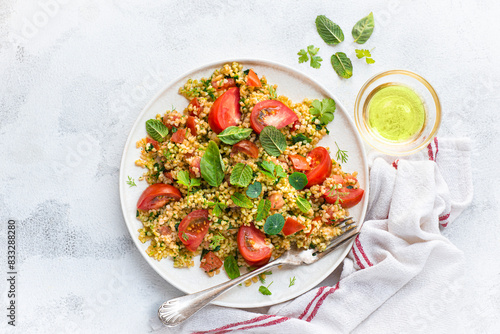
(215, 64)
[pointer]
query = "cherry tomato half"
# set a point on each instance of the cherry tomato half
(152, 142)
(210, 262)
(246, 147)
(299, 162)
(224, 83)
(225, 111)
(253, 247)
(347, 196)
(321, 166)
(191, 125)
(178, 136)
(292, 226)
(271, 112)
(157, 195)
(195, 107)
(195, 167)
(277, 201)
(252, 79)
(193, 229)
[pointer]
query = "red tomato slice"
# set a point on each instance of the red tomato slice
(193, 229)
(299, 162)
(196, 107)
(321, 166)
(210, 262)
(346, 197)
(179, 136)
(191, 125)
(153, 142)
(292, 226)
(171, 120)
(246, 147)
(253, 79)
(277, 201)
(225, 111)
(157, 195)
(224, 84)
(271, 112)
(195, 167)
(253, 247)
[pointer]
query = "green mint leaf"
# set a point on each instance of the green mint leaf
(370, 61)
(301, 138)
(274, 224)
(231, 267)
(303, 56)
(280, 172)
(219, 209)
(363, 29)
(254, 190)
(211, 165)
(329, 31)
(312, 50)
(263, 209)
(298, 180)
(183, 178)
(303, 204)
(234, 134)
(265, 290)
(342, 65)
(273, 141)
(324, 110)
(241, 175)
(156, 129)
(316, 61)
(242, 201)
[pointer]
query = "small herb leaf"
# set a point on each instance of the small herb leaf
(156, 129)
(303, 57)
(242, 201)
(183, 178)
(254, 190)
(303, 204)
(342, 65)
(273, 141)
(274, 224)
(329, 31)
(241, 175)
(231, 267)
(265, 290)
(301, 138)
(263, 209)
(211, 165)
(234, 134)
(324, 110)
(363, 29)
(298, 180)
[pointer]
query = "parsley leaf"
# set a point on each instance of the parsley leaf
(316, 61)
(324, 110)
(360, 53)
(303, 56)
(312, 51)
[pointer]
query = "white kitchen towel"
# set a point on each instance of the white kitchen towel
(401, 276)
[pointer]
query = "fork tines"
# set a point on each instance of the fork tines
(346, 224)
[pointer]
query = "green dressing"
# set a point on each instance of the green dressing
(396, 112)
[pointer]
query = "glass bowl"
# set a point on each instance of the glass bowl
(430, 101)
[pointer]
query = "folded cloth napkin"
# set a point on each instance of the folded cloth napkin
(402, 275)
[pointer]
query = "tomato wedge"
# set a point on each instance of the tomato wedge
(299, 162)
(225, 111)
(157, 195)
(196, 107)
(193, 229)
(252, 79)
(210, 262)
(321, 166)
(347, 196)
(253, 247)
(195, 167)
(246, 147)
(292, 226)
(271, 112)
(191, 125)
(178, 136)
(277, 201)
(152, 142)
(224, 83)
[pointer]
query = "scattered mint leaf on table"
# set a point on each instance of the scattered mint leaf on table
(330, 32)
(342, 65)
(363, 29)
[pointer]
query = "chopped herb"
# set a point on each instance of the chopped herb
(272, 93)
(292, 281)
(341, 155)
(215, 242)
(265, 290)
(131, 182)
(177, 227)
(301, 138)
(246, 71)
(185, 236)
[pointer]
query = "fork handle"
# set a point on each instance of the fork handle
(176, 310)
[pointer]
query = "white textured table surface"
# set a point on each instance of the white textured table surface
(66, 67)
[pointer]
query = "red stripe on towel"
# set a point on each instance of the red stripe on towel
(358, 262)
(320, 302)
(251, 321)
(271, 323)
(437, 147)
(358, 243)
(429, 152)
(320, 291)
(441, 218)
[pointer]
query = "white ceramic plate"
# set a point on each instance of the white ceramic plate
(296, 86)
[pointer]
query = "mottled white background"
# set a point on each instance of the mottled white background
(75, 74)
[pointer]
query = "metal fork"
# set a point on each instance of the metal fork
(175, 311)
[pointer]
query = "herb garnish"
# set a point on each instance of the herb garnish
(330, 32)
(272, 93)
(292, 281)
(301, 138)
(131, 182)
(234, 134)
(184, 179)
(365, 53)
(185, 236)
(303, 204)
(265, 290)
(341, 155)
(254, 190)
(298, 180)
(323, 110)
(273, 141)
(242, 201)
(342, 65)
(274, 224)
(363, 29)
(241, 175)
(263, 209)
(216, 239)
(218, 208)
(156, 129)
(271, 170)
(231, 267)
(211, 165)
(315, 60)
